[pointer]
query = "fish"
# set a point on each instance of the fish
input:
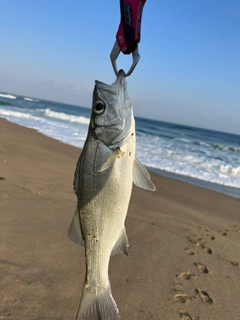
(103, 180)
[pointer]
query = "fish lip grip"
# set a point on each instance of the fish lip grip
(129, 33)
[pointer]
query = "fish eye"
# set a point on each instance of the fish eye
(99, 107)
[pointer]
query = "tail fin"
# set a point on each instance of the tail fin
(97, 304)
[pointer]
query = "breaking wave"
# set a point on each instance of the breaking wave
(66, 117)
(17, 114)
(8, 96)
(30, 99)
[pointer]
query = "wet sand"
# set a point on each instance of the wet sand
(184, 255)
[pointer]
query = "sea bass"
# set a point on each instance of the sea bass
(103, 180)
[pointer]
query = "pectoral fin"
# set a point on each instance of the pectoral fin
(141, 176)
(121, 244)
(74, 231)
(117, 154)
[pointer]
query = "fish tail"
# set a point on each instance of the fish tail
(97, 304)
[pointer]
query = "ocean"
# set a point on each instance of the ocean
(201, 157)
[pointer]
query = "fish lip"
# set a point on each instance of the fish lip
(120, 80)
(121, 73)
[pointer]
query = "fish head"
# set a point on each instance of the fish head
(112, 113)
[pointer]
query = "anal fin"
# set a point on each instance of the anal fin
(121, 246)
(74, 231)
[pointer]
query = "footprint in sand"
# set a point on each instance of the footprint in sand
(207, 249)
(186, 275)
(181, 298)
(199, 241)
(204, 296)
(190, 252)
(207, 233)
(196, 241)
(226, 232)
(184, 315)
(201, 267)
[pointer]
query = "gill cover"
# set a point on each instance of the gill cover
(111, 111)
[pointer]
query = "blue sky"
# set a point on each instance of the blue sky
(189, 72)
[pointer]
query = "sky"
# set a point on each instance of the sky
(189, 71)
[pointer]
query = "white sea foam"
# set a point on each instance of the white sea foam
(74, 134)
(189, 159)
(17, 114)
(66, 117)
(201, 143)
(182, 140)
(228, 169)
(8, 96)
(30, 99)
(227, 176)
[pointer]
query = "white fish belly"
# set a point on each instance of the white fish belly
(103, 203)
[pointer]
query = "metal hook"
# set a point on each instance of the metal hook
(115, 53)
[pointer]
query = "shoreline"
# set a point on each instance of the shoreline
(223, 189)
(184, 254)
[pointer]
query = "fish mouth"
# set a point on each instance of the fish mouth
(121, 73)
(120, 81)
(120, 78)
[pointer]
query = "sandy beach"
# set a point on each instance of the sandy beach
(184, 255)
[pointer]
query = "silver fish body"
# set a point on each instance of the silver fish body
(103, 182)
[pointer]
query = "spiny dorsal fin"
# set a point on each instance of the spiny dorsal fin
(141, 176)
